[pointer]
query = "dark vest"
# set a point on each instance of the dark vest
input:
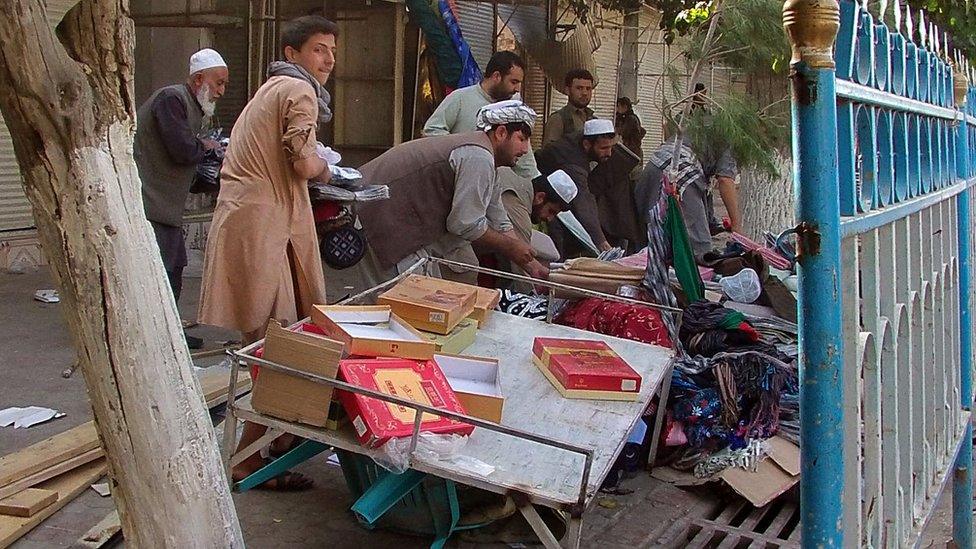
(421, 183)
(165, 184)
(569, 122)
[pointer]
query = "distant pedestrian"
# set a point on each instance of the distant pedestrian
(169, 144)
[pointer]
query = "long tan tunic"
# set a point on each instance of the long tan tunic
(262, 256)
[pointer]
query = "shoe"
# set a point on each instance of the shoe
(193, 342)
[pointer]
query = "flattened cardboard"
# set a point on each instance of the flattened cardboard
(785, 454)
(475, 382)
(484, 304)
(460, 338)
(430, 304)
(288, 397)
(372, 331)
(766, 484)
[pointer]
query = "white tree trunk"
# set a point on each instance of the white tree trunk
(767, 202)
(69, 108)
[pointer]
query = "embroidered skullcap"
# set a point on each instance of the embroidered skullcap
(597, 126)
(205, 59)
(505, 112)
(563, 185)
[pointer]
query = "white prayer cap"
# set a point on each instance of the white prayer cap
(563, 185)
(205, 59)
(597, 126)
(504, 112)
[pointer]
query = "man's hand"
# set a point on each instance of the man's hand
(209, 144)
(604, 246)
(536, 270)
(519, 252)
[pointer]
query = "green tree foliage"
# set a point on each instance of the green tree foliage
(958, 18)
(753, 123)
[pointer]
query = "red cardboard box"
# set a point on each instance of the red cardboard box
(423, 382)
(581, 368)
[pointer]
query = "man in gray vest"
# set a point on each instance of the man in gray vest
(169, 143)
(443, 194)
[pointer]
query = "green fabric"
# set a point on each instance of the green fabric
(732, 321)
(446, 57)
(683, 258)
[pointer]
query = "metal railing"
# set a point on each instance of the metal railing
(883, 153)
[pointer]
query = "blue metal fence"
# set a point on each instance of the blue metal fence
(884, 162)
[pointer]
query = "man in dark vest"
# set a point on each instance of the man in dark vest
(169, 143)
(443, 194)
(573, 155)
(570, 119)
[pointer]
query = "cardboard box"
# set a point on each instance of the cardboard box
(484, 304)
(476, 384)
(375, 421)
(460, 338)
(372, 332)
(581, 368)
(430, 304)
(774, 476)
(288, 397)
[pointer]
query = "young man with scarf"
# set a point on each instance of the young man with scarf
(262, 258)
(169, 144)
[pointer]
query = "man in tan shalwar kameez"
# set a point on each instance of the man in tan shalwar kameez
(262, 258)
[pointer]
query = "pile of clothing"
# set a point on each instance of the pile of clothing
(731, 388)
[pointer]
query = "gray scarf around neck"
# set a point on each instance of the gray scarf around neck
(284, 68)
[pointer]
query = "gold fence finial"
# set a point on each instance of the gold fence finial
(811, 26)
(960, 85)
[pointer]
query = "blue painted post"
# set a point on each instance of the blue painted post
(812, 29)
(962, 487)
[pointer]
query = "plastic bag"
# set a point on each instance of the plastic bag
(431, 448)
(326, 153)
(744, 287)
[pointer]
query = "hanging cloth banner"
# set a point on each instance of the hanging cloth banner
(440, 44)
(470, 73)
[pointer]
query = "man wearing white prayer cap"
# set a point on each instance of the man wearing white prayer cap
(443, 195)
(170, 141)
(574, 154)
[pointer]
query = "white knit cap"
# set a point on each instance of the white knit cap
(597, 126)
(563, 185)
(504, 112)
(205, 59)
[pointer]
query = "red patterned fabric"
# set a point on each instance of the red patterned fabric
(623, 320)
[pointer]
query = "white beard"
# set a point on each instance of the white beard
(207, 104)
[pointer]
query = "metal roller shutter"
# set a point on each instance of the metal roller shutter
(607, 60)
(477, 20)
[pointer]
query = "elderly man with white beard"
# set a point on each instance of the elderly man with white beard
(170, 141)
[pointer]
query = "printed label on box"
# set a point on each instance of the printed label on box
(628, 385)
(359, 425)
(436, 317)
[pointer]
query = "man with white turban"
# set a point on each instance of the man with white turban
(170, 142)
(443, 194)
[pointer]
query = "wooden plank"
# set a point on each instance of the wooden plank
(48, 452)
(107, 529)
(27, 502)
(67, 486)
(775, 528)
(64, 451)
(50, 472)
